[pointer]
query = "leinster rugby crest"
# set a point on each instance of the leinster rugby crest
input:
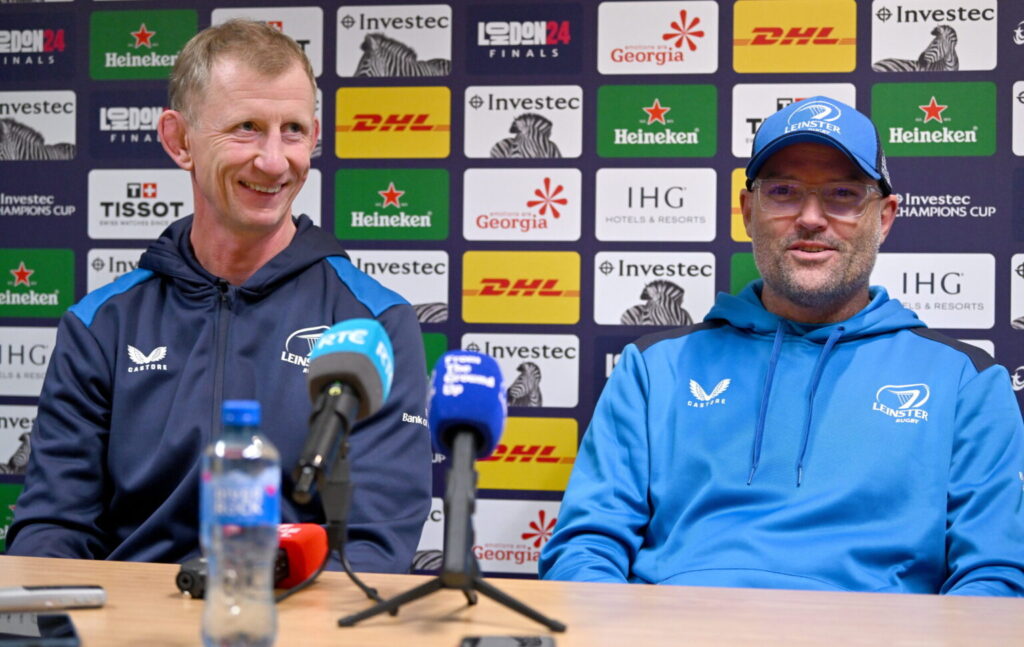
(299, 345)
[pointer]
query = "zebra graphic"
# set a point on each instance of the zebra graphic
(663, 306)
(427, 560)
(939, 56)
(18, 461)
(383, 56)
(21, 142)
(431, 312)
(532, 139)
(1018, 323)
(525, 390)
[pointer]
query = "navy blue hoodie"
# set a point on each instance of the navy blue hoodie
(135, 383)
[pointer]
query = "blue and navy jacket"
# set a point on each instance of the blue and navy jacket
(751, 451)
(134, 387)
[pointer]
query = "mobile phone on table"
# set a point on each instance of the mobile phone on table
(37, 630)
(47, 598)
(507, 641)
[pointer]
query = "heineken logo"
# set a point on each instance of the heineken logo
(935, 119)
(675, 120)
(392, 204)
(22, 274)
(143, 37)
(40, 282)
(391, 195)
(933, 111)
(138, 44)
(656, 113)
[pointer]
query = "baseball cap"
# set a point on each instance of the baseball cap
(827, 121)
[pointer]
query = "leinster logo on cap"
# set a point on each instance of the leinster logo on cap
(815, 115)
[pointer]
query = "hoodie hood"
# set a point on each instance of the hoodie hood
(745, 311)
(172, 255)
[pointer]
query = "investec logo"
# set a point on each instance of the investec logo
(36, 282)
(539, 370)
(420, 276)
(304, 25)
(392, 204)
(655, 204)
(393, 122)
(521, 204)
(794, 36)
(136, 204)
(935, 118)
(107, 265)
(394, 41)
(753, 102)
(46, 115)
(656, 120)
(534, 454)
(653, 288)
(934, 36)
(521, 287)
(24, 354)
(959, 295)
(657, 38)
(137, 44)
(524, 121)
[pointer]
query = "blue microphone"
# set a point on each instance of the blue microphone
(350, 373)
(466, 416)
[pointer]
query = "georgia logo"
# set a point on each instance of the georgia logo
(816, 111)
(903, 402)
(144, 362)
(705, 399)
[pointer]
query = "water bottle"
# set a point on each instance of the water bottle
(240, 508)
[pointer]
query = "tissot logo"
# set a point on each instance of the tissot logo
(534, 454)
(137, 44)
(794, 36)
(394, 204)
(903, 402)
(305, 25)
(524, 122)
(24, 354)
(394, 41)
(420, 276)
(521, 204)
(106, 265)
(32, 45)
(935, 118)
(520, 287)
(539, 370)
(652, 288)
(136, 203)
(960, 295)
(656, 120)
(657, 38)
(933, 36)
(524, 39)
(752, 103)
(655, 204)
(36, 282)
(393, 122)
(299, 345)
(38, 125)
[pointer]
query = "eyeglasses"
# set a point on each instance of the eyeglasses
(783, 198)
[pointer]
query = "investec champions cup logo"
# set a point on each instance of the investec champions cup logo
(657, 120)
(903, 402)
(935, 119)
(521, 287)
(795, 36)
(393, 122)
(391, 204)
(36, 282)
(137, 44)
(657, 37)
(37, 44)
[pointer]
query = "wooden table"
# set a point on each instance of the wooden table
(144, 609)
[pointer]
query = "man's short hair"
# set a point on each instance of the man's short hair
(261, 47)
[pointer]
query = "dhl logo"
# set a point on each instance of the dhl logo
(793, 36)
(397, 122)
(529, 453)
(497, 287)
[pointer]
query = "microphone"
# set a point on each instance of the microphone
(302, 547)
(350, 373)
(466, 416)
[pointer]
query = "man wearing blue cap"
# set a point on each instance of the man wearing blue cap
(810, 433)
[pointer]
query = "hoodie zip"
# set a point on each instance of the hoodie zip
(224, 299)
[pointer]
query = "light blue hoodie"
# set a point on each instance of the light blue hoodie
(751, 451)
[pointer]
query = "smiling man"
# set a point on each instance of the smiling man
(811, 433)
(226, 304)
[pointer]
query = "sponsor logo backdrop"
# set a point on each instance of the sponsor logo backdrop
(547, 180)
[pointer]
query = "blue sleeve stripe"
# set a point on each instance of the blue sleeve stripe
(87, 308)
(366, 289)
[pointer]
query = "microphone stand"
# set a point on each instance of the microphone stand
(460, 569)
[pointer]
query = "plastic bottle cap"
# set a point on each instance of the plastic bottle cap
(242, 413)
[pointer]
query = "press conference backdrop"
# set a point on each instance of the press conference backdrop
(543, 181)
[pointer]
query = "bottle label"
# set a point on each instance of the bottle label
(240, 499)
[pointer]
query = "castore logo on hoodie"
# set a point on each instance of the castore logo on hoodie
(903, 402)
(705, 399)
(144, 362)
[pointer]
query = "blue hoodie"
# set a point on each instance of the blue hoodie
(135, 384)
(751, 451)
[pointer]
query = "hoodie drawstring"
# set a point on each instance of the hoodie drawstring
(759, 430)
(815, 379)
